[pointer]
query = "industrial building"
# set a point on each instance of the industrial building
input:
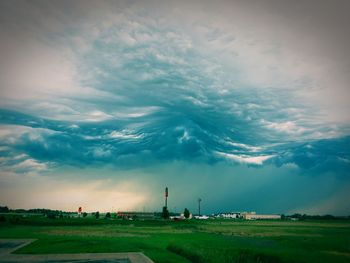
(254, 216)
(246, 216)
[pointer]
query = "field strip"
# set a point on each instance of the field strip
(7, 246)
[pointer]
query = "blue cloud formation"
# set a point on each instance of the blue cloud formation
(164, 135)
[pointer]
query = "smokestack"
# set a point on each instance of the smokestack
(166, 197)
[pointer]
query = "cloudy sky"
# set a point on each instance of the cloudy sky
(242, 103)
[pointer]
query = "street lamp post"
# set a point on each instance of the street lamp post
(199, 206)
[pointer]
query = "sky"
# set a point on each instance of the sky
(244, 104)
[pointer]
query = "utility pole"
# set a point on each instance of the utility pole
(199, 206)
(166, 197)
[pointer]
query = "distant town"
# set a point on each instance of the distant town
(137, 215)
(165, 214)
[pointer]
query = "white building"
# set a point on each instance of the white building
(254, 216)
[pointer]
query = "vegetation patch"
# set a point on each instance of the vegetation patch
(165, 241)
(92, 233)
(247, 256)
(186, 253)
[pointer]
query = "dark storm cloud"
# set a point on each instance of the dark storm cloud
(163, 136)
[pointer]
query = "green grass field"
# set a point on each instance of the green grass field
(189, 241)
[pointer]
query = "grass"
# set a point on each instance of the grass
(189, 241)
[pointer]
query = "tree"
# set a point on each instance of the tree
(84, 214)
(97, 215)
(165, 213)
(4, 209)
(108, 215)
(186, 213)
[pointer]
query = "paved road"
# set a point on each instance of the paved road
(7, 246)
